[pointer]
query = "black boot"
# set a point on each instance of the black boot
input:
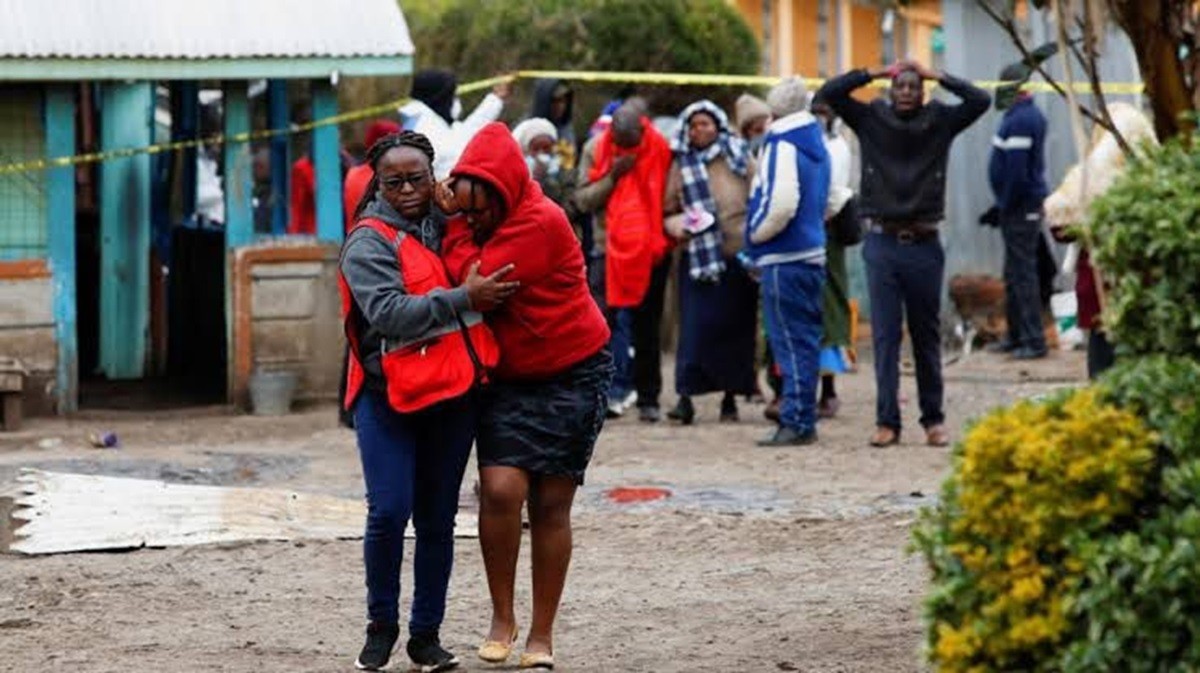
(683, 412)
(729, 409)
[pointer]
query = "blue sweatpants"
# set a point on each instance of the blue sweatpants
(413, 467)
(792, 309)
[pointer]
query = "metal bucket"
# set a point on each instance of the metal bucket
(271, 392)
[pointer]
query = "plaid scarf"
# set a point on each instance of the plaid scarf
(705, 262)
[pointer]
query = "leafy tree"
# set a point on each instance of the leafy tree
(481, 38)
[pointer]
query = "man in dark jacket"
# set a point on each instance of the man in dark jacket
(905, 145)
(1017, 172)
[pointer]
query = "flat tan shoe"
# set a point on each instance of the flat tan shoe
(937, 435)
(542, 660)
(496, 652)
(885, 436)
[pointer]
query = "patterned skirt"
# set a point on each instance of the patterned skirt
(546, 427)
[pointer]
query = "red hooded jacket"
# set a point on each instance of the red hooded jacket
(551, 323)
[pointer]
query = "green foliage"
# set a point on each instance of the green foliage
(1026, 480)
(1145, 234)
(481, 38)
(1141, 592)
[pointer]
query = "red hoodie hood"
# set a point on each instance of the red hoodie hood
(494, 157)
(551, 323)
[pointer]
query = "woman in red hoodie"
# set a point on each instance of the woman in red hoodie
(545, 407)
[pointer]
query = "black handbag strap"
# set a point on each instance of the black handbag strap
(480, 372)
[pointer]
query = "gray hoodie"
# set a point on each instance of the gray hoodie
(385, 310)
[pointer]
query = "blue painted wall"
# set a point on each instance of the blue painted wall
(126, 121)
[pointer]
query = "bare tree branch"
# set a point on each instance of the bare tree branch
(1093, 73)
(1009, 27)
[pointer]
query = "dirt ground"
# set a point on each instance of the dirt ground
(762, 560)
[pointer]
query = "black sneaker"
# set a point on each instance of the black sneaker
(1027, 353)
(427, 654)
(649, 414)
(381, 638)
(785, 436)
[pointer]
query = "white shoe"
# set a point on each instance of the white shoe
(630, 400)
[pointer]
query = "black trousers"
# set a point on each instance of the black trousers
(647, 337)
(646, 328)
(1022, 232)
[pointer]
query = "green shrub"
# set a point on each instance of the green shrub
(1145, 234)
(1140, 596)
(1025, 480)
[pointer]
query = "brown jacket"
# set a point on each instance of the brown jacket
(592, 197)
(730, 192)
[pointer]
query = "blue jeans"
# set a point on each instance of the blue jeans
(791, 296)
(621, 345)
(905, 283)
(413, 467)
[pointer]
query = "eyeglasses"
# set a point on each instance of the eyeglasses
(397, 182)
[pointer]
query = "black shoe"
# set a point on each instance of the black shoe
(1027, 353)
(649, 414)
(428, 655)
(1001, 346)
(683, 412)
(789, 437)
(729, 409)
(381, 638)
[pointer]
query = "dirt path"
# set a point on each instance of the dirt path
(762, 560)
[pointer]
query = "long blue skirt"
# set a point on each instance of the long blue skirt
(717, 332)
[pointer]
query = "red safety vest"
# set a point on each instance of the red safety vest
(439, 365)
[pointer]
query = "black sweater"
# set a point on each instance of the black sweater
(904, 158)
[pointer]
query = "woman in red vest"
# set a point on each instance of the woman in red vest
(418, 349)
(540, 417)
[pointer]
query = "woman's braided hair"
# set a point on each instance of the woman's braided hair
(381, 147)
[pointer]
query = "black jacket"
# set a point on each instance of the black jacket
(904, 158)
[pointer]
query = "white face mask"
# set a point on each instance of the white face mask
(456, 108)
(550, 162)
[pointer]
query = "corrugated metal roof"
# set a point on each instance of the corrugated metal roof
(202, 29)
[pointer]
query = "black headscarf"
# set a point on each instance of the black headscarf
(435, 88)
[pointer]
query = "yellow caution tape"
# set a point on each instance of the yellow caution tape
(687, 79)
(661, 78)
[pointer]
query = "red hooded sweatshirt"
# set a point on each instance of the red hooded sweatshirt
(551, 323)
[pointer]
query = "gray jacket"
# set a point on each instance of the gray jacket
(384, 309)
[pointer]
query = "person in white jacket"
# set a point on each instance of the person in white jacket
(434, 111)
(835, 310)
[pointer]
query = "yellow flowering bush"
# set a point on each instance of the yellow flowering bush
(1026, 481)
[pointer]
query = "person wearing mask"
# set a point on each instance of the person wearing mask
(554, 101)
(1017, 173)
(905, 146)
(538, 140)
(358, 177)
(785, 239)
(705, 205)
(835, 307)
(435, 109)
(544, 409)
(623, 172)
(418, 349)
(753, 115)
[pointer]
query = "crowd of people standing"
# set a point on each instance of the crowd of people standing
(507, 287)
